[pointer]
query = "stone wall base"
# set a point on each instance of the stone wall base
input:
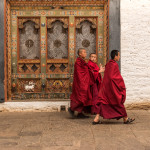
(45, 106)
(140, 105)
(42, 106)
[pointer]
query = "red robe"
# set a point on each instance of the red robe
(97, 79)
(112, 94)
(81, 96)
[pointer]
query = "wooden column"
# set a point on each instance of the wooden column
(2, 95)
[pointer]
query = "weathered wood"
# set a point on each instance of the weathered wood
(1, 50)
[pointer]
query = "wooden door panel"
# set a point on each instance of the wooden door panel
(86, 34)
(44, 46)
(58, 57)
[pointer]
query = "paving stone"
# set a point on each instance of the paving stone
(29, 141)
(56, 131)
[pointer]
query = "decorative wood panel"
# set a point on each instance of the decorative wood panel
(28, 85)
(29, 68)
(29, 38)
(51, 72)
(57, 68)
(57, 38)
(56, 4)
(58, 86)
(86, 34)
(8, 49)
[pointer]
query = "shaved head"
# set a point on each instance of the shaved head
(92, 54)
(80, 50)
(82, 53)
(93, 57)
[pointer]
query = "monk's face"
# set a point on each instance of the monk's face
(83, 54)
(93, 57)
(117, 58)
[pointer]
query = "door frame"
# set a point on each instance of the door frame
(13, 5)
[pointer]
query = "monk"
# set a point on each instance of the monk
(112, 93)
(81, 98)
(97, 79)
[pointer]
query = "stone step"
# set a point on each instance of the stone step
(35, 106)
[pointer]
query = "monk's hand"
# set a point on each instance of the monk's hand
(102, 69)
(100, 66)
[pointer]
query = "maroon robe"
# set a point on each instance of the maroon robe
(81, 96)
(97, 79)
(112, 94)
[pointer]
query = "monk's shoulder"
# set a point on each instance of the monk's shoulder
(112, 63)
(80, 62)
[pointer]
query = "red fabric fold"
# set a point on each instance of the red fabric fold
(95, 73)
(97, 79)
(81, 94)
(112, 94)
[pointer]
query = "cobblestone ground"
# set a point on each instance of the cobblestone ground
(57, 131)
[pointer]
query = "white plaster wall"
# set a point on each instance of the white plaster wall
(135, 49)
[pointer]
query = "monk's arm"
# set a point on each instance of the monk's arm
(118, 81)
(117, 78)
(83, 77)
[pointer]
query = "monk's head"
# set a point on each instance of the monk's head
(82, 53)
(115, 55)
(93, 57)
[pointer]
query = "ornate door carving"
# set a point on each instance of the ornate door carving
(42, 43)
(57, 57)
(29, 38)
(57, 38)
(86, 34)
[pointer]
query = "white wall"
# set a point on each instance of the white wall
(135, 49)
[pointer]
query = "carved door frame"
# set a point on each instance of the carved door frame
(13, 11)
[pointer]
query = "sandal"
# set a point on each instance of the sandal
(95, 123)
(71, 112)
(82, 116)
(129, 120)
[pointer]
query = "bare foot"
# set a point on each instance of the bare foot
(96, 119)
(129, 120)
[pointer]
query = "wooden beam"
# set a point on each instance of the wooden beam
(5, 54)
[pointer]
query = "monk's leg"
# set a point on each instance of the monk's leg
(76, 106)
(94, 108)
(97, 118)
(125, 117)
(127, 120)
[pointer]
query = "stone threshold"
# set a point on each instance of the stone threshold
(145, 105)
(35, 106)
(55, 106)
(40, 100)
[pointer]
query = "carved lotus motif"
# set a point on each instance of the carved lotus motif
(57, 41)
(86, 37)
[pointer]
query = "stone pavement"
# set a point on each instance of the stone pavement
(56, 131)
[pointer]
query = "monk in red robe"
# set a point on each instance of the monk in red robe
(97, 79)
(81, 98)
(112, 93)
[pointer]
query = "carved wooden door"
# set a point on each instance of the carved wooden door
(44, 46)
(58, 83)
